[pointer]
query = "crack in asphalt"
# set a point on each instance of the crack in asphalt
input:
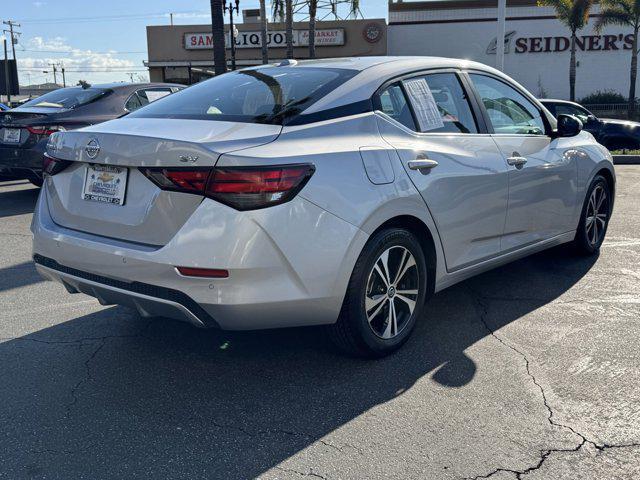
(311, 473)
(481, 302)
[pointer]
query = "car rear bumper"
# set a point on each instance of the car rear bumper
(21, 162)
(280, 274)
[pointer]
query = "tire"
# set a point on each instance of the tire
(372, 332)
(592, 229)
(36, 181)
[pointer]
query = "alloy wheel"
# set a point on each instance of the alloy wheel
(392, 292)
(596, 215)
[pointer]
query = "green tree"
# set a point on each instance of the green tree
(627, 14)
(575, 15)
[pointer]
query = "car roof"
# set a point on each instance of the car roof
(118, 85)
(374, 71)
(554, 100)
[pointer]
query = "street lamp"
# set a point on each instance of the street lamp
(232, 30)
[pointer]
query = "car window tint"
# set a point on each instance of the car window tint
(441, 104)
(564, 109)
(262, 95)
(133, 103)
(67, 98)
(509, 111)
(394, 104)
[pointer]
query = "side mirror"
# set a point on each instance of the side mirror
(568, 126)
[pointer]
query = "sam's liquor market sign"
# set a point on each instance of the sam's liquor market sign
(324, 38)
(586, 43)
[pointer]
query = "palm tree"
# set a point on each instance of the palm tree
(263, 32)
(575, 15)
(289, 27)
(282, 10)
(313, 10)
(217, 31)
(625, 13)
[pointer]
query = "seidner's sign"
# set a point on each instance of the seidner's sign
(324, 38)
(585, 43)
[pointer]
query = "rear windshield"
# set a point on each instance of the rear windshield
(266, 95)
(67, 98)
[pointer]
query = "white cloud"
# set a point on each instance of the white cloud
(39, 4)
(78, 63)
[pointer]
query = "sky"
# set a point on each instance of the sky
(103, 41)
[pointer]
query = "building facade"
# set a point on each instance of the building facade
(537, 45)
(184, 53)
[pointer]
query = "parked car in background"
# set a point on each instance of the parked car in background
(24, 130)
(342, 192)
(3, 107)
(610, 132)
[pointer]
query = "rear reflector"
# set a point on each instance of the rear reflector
(242, 188)
(203, 272)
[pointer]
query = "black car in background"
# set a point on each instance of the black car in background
(24, 130)
(613, 134)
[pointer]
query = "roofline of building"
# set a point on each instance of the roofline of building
(400, 6)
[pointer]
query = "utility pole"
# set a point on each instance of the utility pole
(12, 24)
(502, 20)
(171, 17)
(232, 37)
(54, 73)
(130, 76)
(6, 71)
(64, 80)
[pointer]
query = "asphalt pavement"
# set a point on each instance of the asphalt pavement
(528, 371)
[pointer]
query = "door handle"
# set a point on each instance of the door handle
(516, 160)
(422, 164)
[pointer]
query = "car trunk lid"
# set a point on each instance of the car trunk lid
(148, 215)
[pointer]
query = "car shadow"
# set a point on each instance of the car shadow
(112, 395)
(17, 202)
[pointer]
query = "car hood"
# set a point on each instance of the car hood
(616, 121)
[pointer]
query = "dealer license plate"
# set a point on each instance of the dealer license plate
(105, 183)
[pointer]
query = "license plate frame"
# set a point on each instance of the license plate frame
(11, 135)
(105, 184)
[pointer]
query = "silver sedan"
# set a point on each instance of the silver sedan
(342, 193)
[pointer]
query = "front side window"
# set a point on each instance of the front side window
(264, 95)
(509, 111)
(440, 104)
(565, 109)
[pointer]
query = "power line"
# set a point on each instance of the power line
(86, 52)
(108, 18)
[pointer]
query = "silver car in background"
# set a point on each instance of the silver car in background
(340, 192)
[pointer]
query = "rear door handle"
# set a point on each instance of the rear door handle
(516, 160)
(422, 164)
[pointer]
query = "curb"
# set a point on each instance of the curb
(626, 159)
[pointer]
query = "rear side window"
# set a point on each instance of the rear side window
(393, 103)
(263, 95)
(509, 111)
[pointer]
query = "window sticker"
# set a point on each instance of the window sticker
(423, 104)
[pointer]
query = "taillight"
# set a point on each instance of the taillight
(242, 188)
(51, 166)
(189, 180)
(45, 129)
